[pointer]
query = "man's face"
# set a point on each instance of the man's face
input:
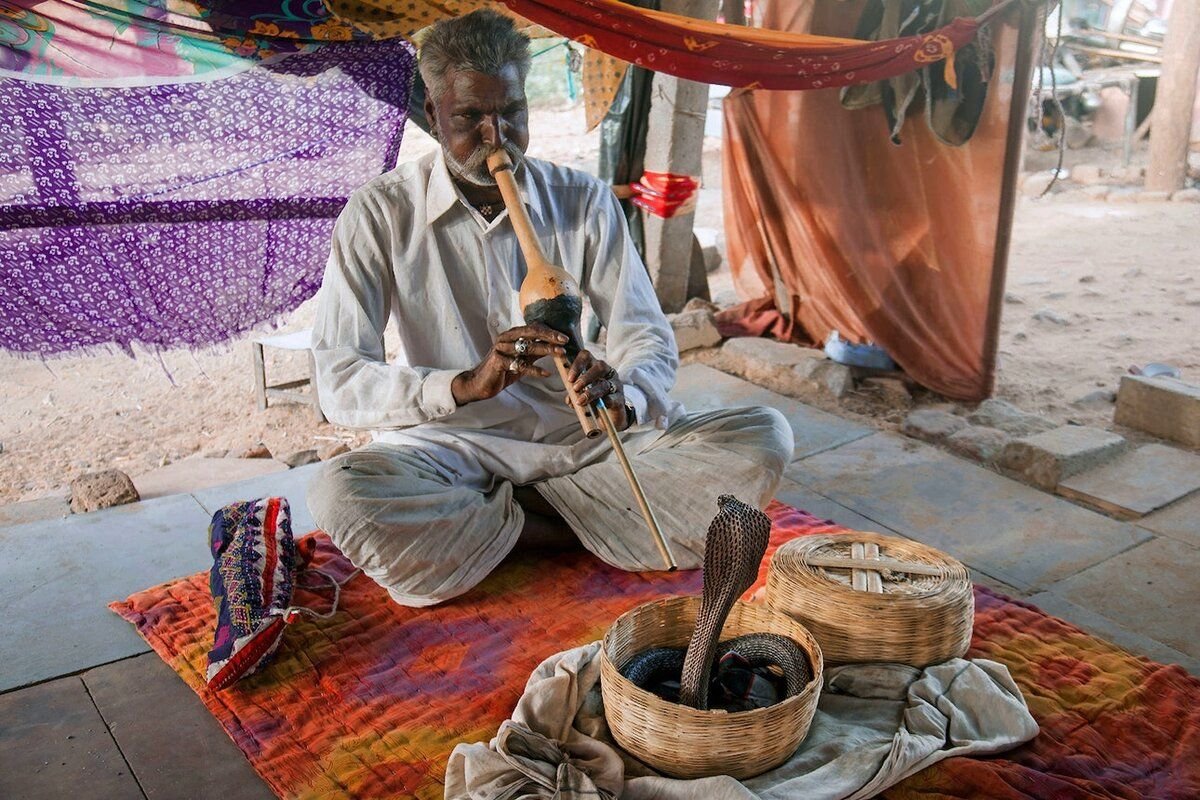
(476, 114)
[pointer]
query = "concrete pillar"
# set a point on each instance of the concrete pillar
(674, 140)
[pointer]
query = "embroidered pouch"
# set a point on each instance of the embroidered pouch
(252, 579)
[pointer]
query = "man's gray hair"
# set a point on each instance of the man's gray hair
(484, 41)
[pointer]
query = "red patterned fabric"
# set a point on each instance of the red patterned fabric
(733, 55)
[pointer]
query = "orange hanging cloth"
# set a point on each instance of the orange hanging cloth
(832, 227)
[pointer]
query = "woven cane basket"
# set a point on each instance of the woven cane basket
(681, 741)
(916, 607)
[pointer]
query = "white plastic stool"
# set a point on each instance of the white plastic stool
(298, 340)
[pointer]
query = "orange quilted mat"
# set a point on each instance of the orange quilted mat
(371, 702)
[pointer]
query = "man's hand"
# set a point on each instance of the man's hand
(594, 379)
(510, 359)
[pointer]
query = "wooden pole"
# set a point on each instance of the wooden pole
(1175, 99)
(660, 541)
(1022, 71)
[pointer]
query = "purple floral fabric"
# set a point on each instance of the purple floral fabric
(182, 214)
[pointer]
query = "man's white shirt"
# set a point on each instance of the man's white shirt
(409, 250)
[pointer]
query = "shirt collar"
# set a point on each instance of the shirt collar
(442, 194)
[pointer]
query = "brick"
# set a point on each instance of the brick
(824, 378)
(978, 443)
(1006, 417)
(1035, 183)
(694, 329)
(1136, 483)
(1165, 407)
(932, 425)
(768, 354)
(1045, 459)
(785, 368)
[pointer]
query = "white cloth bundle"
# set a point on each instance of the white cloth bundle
(875, 725)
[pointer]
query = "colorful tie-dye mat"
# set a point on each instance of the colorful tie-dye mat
(370, 703)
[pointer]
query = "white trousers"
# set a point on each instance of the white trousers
(427, 523)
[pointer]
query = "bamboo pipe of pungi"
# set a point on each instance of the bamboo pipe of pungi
(550, 295)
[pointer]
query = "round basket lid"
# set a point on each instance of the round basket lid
(862, 561)
(870, 597)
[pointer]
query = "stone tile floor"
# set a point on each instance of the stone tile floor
(86, 709)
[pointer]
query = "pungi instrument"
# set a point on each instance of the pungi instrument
(550, 295)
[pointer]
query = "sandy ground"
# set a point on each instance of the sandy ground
(1122, 288)
(1120, 278)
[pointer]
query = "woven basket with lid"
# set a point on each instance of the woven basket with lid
(870, 597)
(681, 741)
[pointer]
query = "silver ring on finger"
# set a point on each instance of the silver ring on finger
(515, 365)
(611, 373)
(612, 388)
(521, 346)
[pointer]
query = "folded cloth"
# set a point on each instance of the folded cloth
(555, 745)
(875, 725)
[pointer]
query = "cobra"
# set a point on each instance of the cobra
(736, 542)
(758, 649)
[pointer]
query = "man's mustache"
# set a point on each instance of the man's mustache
(477, 162)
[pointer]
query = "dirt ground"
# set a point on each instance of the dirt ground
(1119, 282)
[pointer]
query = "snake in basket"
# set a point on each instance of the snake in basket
(736, 542)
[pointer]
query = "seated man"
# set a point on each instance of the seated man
(469, 410)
